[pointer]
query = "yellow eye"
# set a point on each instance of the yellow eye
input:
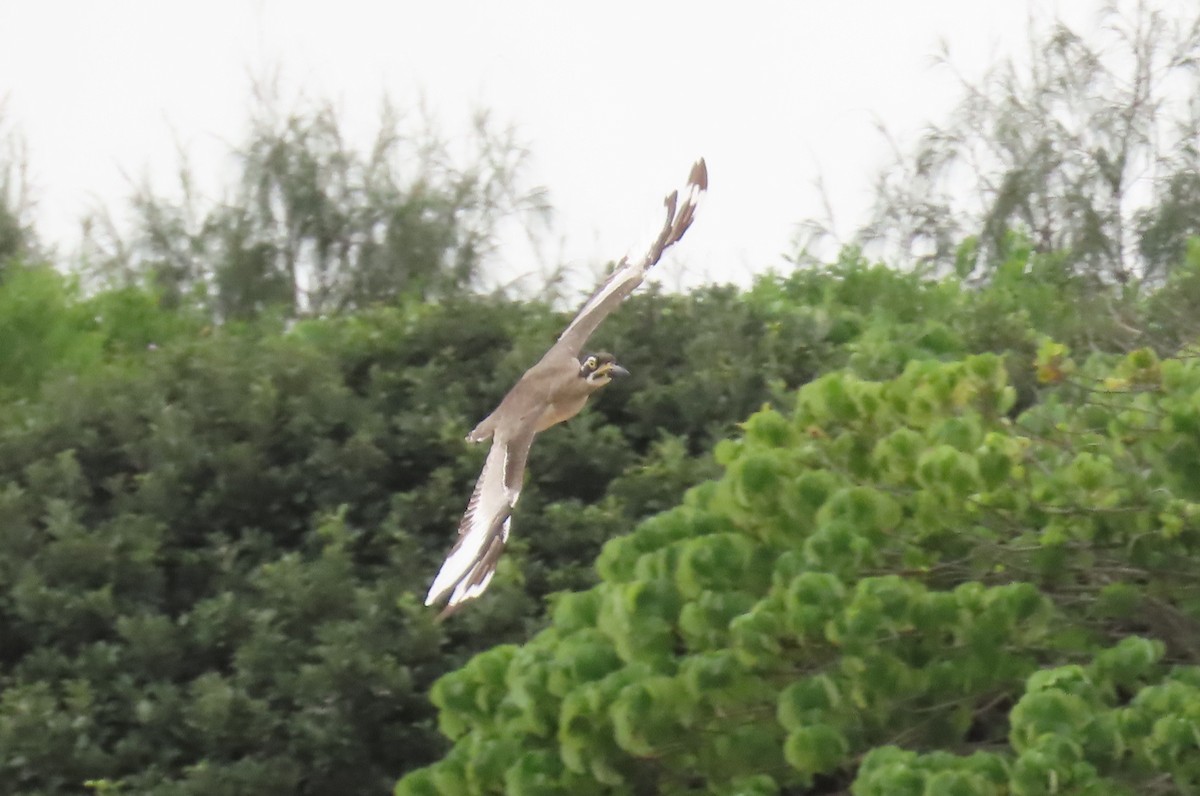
(591, 363)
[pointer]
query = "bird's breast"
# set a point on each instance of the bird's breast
(560, 410)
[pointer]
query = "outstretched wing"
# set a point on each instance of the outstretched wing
(483, 530)
(629, 274)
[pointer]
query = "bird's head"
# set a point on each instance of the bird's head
(599, 369)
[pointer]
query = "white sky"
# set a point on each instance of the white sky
(615, 99)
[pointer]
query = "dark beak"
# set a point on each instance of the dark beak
(617, 370)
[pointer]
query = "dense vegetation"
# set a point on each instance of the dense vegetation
(215, 539)
(896, 587)
(854, 529)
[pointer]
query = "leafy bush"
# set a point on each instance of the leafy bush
(49, 328)
(896, 566)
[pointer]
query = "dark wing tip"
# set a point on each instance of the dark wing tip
(699, 175)
(696, 188)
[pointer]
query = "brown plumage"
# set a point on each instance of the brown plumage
(553, 390)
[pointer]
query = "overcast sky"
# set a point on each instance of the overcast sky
(615, 99)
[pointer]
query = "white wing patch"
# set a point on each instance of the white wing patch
(484, 529)
(479, 576)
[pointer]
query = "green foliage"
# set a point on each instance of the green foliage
(185, 610)
(44, 328)
(899, 566)
(49, 328)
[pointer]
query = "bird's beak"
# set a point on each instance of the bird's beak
(616, 370)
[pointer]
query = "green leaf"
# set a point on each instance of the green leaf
(816, 749)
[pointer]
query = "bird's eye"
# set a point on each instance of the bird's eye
(590, 364)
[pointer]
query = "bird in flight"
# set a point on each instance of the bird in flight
(553, 390)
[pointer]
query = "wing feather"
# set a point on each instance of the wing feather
(630, 273)
(484, 528)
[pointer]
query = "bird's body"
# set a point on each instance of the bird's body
(552, 385)
(553, 390)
